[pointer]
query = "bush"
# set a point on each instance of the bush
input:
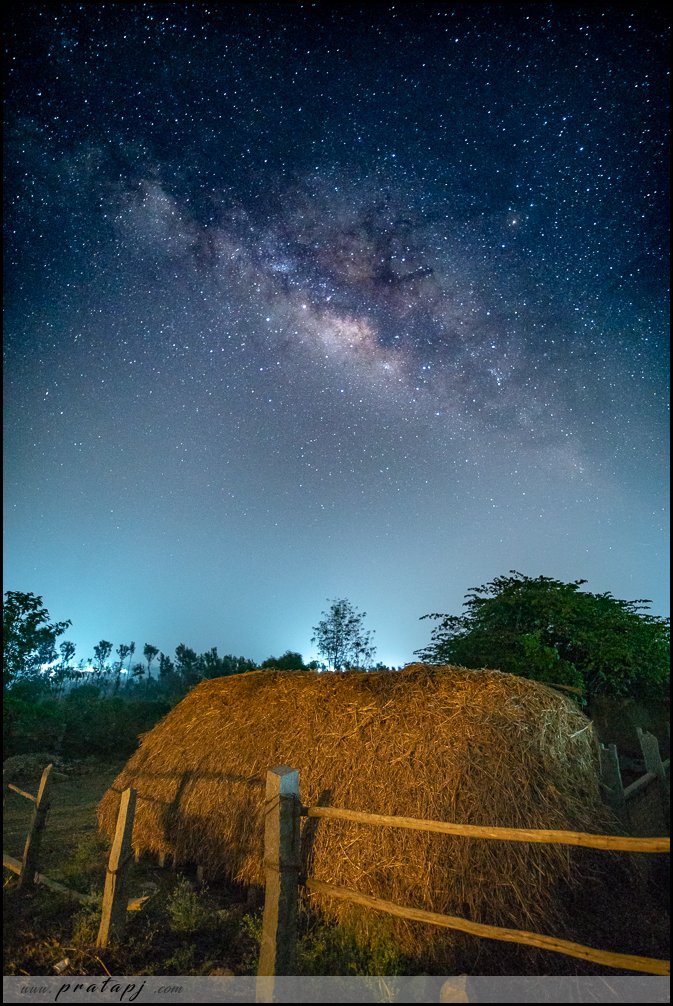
(106, 726)
(31, 724)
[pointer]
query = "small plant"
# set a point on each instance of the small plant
(85, 926)
(248, 941)
(324, 948)
(182, 961)
(189, 910)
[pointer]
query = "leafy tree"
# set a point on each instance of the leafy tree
(166, 666)
(102, 653)
(186, 662)
(209, 664)
(28, 636)
(67, 650)
(235, 665)
(122, 652)
(138, 671)
(149, 653)
(341, 638)
(290, 661)
(64, 670)
(552, 631)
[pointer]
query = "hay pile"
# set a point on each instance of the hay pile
(478, 747)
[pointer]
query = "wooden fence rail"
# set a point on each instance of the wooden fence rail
(281, 859)
(619, 843)
(629, 962)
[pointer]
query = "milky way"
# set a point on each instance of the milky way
(373, 301)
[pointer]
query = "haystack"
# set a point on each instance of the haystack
(445, 743)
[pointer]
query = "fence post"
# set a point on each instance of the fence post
(649, 745)
(611, 777)
(6, 779)
(113, 919)
(31, 849)
(282, 861)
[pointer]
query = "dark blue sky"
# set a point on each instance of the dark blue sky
(305, 303)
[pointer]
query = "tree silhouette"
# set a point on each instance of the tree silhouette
(150, 652)
(290, 661)
(340, 637)
(102, 652)
(28, 637)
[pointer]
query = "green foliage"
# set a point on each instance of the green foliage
(32, 720)
(28, 637)
(290, 661)
(83, 870)
(102, 653)
(81, 724)
(101, 725)
(341, 638)
(324, 948)
(552, 631)
(149, 653)
(188, 909)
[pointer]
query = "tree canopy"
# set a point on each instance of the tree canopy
(290, 661)
(552, 631)
(28, 635)
(341, 638)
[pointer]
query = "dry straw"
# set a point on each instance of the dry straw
(443, 743)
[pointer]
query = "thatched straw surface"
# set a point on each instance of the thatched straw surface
(478, 747)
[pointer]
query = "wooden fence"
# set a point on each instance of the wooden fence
(115, 904)
(655, 778)
(282, 862)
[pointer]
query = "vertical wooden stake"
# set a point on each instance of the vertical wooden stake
(649, 745)
(31, 850)
(611, 776)
(6, 779)
(282, 861)
(113, 919)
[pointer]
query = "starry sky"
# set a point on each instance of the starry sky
(306, 302)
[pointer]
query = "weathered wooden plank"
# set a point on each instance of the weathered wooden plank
(629, 962)
(21, 792)
(113, 918)
(84, 899)
(649, 745)
(281, 864)
(137, 904)
(611, 778)
(11, 863)
(642, 783)
(617, 842)
(31, 850)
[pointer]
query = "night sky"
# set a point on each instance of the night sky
(306, 302)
